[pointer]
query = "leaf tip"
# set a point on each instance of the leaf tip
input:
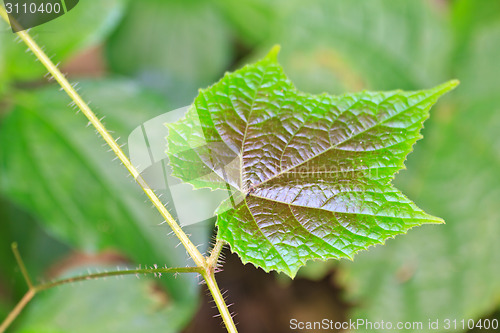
(435, 220)
(440, 221)
(452, 84)
(448, 86)
(273, 54)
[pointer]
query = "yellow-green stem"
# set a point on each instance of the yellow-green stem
(215, 254)
(21, 265)
(17, 310)
(197, 257)
(33, 290)
(101, 129)
(94, 276)
(220, 302)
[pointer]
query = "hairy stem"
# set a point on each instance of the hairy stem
(220, 302)
(33, 290)
(21, 265)
(215, 254)
(205, 264)
(17, 309)
(49, 285)
(101, 129)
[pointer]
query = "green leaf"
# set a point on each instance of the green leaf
(56, 167)
(311, 173)
(116, 304)
(85, 25)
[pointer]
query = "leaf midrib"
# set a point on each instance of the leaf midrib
(243, 141)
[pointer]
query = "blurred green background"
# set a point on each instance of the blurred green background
(71, 208)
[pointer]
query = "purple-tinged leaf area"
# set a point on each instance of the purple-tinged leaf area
(310, 175)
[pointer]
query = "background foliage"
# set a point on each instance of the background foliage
(61, 194)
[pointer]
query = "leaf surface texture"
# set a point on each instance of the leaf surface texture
(309, 175)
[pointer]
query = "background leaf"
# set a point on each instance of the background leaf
(55, 166)
(261, 18)
(347, 46)
(190, 41)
